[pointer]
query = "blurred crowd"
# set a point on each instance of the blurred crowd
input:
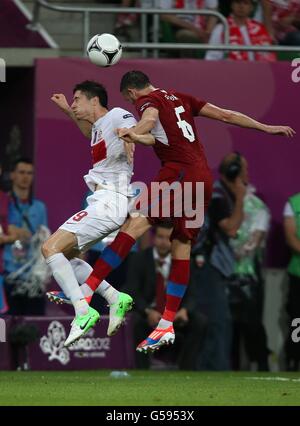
(220, 321)
(251, 22)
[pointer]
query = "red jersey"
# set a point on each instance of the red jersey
(175, 133)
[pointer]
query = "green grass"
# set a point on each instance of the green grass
(148, 388)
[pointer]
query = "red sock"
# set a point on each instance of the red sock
(176, 287)
(112, 256)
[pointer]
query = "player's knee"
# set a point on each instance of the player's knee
(48, 249)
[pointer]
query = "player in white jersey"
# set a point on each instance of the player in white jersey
(107, 209)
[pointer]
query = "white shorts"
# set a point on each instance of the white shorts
(106, 212)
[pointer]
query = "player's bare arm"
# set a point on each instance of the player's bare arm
(242, 120)
(129, 136)
(147, 121)
(60, 100)
(129, 147)
(141, 134)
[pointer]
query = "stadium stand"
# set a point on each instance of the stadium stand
(14, 20)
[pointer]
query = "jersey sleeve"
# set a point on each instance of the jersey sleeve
(262, 221)
(146, 102)
(123, 118)
(288, 211)
(195, 103)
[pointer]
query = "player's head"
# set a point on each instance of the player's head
(234, 165)
(162, 233)
(133, 84)
(87, 97)
(242, 8)
(22, 174)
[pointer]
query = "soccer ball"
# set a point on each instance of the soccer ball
(104, 50)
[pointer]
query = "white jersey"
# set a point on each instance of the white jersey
(110, 167)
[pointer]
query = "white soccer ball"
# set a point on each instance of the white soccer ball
(104, 50)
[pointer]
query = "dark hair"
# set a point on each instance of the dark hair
(231, 166)
(93, 89)
(25, 160)
(235, 1)
(134, 80)
(167, 224)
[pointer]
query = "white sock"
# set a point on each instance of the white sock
(107, 291)
(82, 271)
(63, 273)
(164, 323)
(81, 307)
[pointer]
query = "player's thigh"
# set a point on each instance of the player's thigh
(61, 241)
(105, 214)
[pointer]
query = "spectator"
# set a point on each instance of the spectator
(242, 31)
(213, 260)
(125, 21)
(188, 28)
(263, 13)
(8, 234)
(286, 21)
(246, 287)
(292, 235)
(146, 278)
(25, 272)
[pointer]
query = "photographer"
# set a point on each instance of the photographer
(213, 260)
(246, 285)
(292, 237)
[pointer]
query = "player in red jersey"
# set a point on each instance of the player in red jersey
(169, 116)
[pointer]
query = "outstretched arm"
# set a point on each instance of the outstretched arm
(60, 100)
(140, 133)
(242, 120)
(130, 136)
(147, 121)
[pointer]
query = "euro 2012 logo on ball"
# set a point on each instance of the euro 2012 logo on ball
(104, 50)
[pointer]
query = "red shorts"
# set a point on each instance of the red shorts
(184, 205)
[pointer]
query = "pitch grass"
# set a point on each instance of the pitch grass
(149, 388)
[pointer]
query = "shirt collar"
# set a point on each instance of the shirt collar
(166, 259)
